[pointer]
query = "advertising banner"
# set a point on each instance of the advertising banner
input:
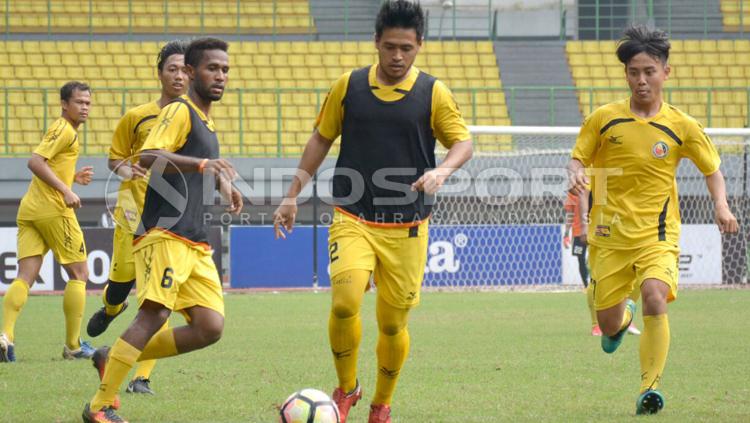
(52, 275)
(458, 255)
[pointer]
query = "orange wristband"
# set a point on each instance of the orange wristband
(202, 165)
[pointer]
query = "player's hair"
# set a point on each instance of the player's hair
(641, 39)
(194, 52)
(170, 48)
(400, 14)
(67, 90)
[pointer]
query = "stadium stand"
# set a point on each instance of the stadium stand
(709, 78)
(149, 17)
(735, 15)
(276, 88)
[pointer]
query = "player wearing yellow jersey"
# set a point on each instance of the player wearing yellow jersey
(173, 265)
(634, 147)
(130, 134)
(389, 116)
(576, 218)
(47, 221)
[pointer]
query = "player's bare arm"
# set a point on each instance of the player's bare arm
(39, 167)
(218, 167)
(432, 180)
(577, 179)
(723, 215)
(315, 152)
(84, 175)
(126, 170)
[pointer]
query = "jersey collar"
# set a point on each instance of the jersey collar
(655, 117)
(402, 87)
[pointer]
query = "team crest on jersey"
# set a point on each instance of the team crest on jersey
(603, 231)
(660, 150)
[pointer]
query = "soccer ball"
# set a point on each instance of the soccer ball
(309, 406)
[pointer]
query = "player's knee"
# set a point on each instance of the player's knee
(210, 331)
(391, 328)
(151, 317)
(78, 271)
(343, 309)
(653, 300)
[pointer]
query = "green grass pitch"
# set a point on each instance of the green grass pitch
(475, 357)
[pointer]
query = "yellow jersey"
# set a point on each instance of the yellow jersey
(60, 147)
(130, 134)
(634, 162)
(173, 126)
(446, 121)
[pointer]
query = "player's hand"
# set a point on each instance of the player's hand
(236, 202)
(577, 180)
(566, 242)
(83, 176)
(71, 199)
(726, 220)
(284, 217)
(430, 182)
(220, 168)
(138, 171)
(584, 238)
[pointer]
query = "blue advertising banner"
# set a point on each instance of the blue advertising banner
(257, 260)
(458, 255)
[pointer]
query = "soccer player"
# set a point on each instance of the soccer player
(173, 265)
(129, 137)
(389, 116)
(47, 221)
(576, 211)
(576, 218)
(634, 147)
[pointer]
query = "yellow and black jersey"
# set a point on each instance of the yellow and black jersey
(446, 121)
(634, 163)
(60, 147)
(388, 136)
(178, 212)
(130, 134)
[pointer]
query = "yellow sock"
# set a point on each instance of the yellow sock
(345, 335)
(161, 345)
(109, 309)
(590, 301)
(15, 298)
(635, 294)
(653, 350)
(74, 301)
(145, 367)
(626, 318)
(121, 359)
(392, 349)
(392, 352)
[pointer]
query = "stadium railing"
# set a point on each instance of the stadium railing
(604, 19)
(38, 107)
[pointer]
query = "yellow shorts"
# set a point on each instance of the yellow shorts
(122, 268)
(177, 275)
(397, 255)
(61, 234)
(615, 272)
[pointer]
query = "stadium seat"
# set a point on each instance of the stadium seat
(695, 63)
(220, 16)
(118, 71)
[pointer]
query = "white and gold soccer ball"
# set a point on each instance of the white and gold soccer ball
(309, 406)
